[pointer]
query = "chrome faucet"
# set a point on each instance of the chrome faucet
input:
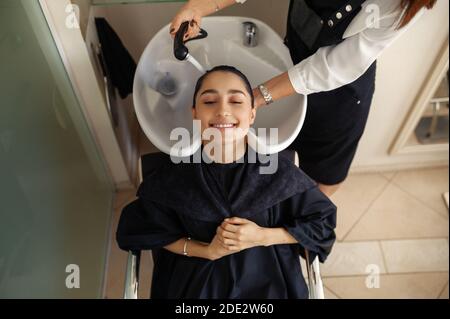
(250, 34)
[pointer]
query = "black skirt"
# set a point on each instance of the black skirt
(334, 124)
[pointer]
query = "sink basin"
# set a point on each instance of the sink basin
(159, 114)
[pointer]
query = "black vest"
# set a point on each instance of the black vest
(313, 24)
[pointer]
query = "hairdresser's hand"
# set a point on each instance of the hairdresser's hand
(240, 233)
(216, 249)
(259, 99)
(192, 12)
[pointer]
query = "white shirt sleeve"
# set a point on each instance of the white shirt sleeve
(334, 66)
(240, 1)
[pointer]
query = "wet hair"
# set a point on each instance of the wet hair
(229, 69)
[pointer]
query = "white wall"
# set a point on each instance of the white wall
(85, 7)
(76, 59)
(401, 69)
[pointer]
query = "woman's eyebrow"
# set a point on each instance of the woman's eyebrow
(212, 91)
(236, 92)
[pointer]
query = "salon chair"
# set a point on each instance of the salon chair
(151, 162)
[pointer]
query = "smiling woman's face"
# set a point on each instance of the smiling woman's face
(223, 104)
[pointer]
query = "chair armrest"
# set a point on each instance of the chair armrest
(315, 283)
(132, 275)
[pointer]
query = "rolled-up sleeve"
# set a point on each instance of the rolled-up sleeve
(145, 225)
(334, 66)
(311, 220)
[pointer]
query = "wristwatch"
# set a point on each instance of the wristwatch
(266, 94)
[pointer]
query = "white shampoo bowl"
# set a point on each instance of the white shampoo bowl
(158, 114)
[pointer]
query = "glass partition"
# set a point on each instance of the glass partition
(55, 192)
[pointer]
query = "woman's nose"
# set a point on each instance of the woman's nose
(224, 114)
(223, 109)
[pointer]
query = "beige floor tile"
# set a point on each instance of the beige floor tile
(352, 200)
(329, 294)
(422, 255)
(427, 185)
(444, 293)
(116, 274)
(123, 198)
(117, 259)
(401, 286)
(145, 275)
(348, 259)
(397, 215)
(389, 175)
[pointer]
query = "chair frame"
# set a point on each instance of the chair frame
(315, 284)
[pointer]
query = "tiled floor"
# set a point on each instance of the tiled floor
(393, 231)
(395, 225)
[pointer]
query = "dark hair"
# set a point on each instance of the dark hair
(229, 69)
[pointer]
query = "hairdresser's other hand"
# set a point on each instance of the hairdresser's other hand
(240, 233)
(259, 99)
(191, 12)
(216, 249)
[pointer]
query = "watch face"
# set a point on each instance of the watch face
(266, 93)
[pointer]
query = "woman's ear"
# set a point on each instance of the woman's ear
(252, 115)
(194, 113)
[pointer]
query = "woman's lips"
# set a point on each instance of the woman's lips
(223, 125)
